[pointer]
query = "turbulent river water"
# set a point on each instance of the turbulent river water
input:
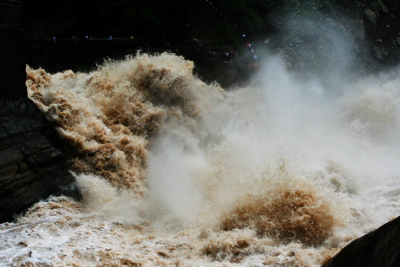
(178, 172)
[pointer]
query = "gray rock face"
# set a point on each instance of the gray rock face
(379, 248)
(31, 164)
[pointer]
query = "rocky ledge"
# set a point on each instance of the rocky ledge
(32, 166)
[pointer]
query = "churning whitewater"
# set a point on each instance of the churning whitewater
(178, 172)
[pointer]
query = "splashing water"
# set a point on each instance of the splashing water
(175, 171)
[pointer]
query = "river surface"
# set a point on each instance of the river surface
(177, 172)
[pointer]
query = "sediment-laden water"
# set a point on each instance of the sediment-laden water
(178, 172)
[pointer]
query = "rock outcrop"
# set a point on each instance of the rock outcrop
(383, 30)
(379, 248)
(31, 166)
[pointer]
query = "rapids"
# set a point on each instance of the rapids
(178, 172)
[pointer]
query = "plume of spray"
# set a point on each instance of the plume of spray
(308, 139)
(317, 40)
(285, 157)
(173, 168)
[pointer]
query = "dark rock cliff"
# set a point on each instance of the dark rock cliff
(32, 166)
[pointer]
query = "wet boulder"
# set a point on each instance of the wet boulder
(379, 248)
